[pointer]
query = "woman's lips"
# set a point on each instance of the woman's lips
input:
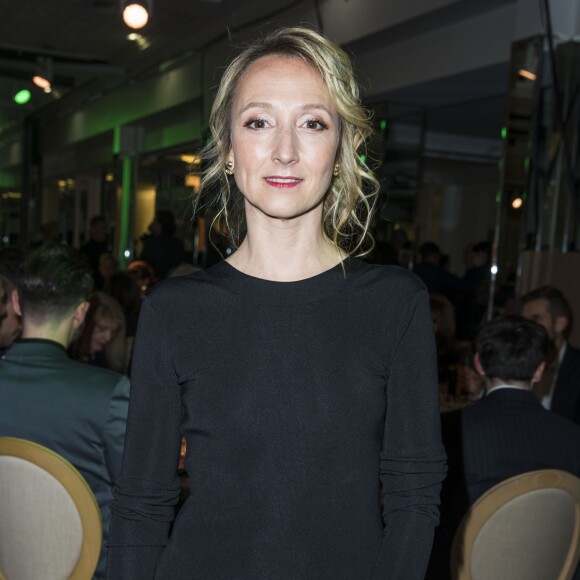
(282, 182)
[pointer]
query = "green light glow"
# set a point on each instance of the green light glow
(362, 158)
(126, 194)
(498, 197)
(527, 163)
(383, 124)
(503, 132)
(22, 97)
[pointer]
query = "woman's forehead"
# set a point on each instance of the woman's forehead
(278, 76)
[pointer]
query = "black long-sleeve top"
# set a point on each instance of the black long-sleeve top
(304, 404)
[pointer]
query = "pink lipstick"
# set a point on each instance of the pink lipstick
(282, 182)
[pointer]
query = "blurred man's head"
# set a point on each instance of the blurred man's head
(480, 254)
(53, 290)
(430, 252)
(98, 229)
(511, 350)
(547, 306)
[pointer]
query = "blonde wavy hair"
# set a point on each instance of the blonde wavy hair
(349, 203)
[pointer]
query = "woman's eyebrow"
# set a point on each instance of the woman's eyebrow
(311, 106)
(264, 105)
(257, 104)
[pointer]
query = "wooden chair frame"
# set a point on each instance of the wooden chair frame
(486, 506)
(79, 491)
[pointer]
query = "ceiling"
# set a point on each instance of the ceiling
(89, 45)
(91, 52)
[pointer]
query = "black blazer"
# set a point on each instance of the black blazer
(566, 397)
(505, 434)
(75, 409)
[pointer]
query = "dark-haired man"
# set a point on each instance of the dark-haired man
(162, 250)
(505, 434)
(78, 410)
(559, 390)
(96, 245)
(437, 279)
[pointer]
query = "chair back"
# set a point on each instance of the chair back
(50, 523)
(524, 528)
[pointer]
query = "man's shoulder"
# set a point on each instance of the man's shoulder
(97, 376)
(62, 371)
(514, 410)
(572, 357)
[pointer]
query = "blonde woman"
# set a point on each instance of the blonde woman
(303, 380)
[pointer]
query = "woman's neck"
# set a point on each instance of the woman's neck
(285, 250)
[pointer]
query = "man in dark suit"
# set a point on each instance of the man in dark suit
(559, 390)
(78, 410)
(437, 279)
(96, 246)
(505, 434)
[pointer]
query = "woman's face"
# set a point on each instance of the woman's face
(285, 136)
(103, 332)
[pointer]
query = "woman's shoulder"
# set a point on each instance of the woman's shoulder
(171, 292)
(388, 278)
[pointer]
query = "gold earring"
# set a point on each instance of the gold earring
(229, 168)
(336, 171)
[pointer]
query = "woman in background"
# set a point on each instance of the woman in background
(102, 339)
(303, 380)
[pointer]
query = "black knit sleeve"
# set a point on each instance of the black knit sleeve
(412, 459)
(148, 488)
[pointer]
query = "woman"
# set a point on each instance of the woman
(124, 289)
(102, 339)
(276, 365)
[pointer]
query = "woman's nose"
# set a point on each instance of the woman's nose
(285, 148)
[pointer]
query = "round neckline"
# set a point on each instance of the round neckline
(309, 289)
(339, 265)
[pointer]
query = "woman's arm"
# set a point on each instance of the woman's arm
(412, 459)
(148, 487)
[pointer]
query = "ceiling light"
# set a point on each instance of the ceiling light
(43, 76)
(526, 74)
(193, 180)
(139, 40)
(41, 82)
(517, 202)
(136, 13)
(22, 97)
(190, 159)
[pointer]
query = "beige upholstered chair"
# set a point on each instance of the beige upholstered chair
(525, 528)
(50, 524)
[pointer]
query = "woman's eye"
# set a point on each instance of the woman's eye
(255, 124)
(314, 125)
